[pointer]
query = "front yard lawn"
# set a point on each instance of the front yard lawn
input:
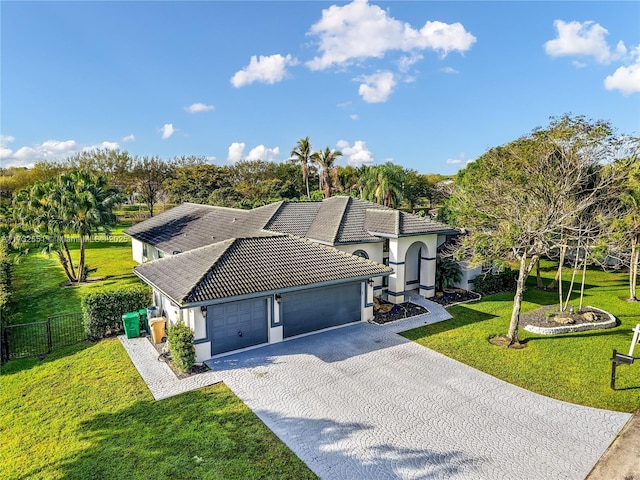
(84, 412)
(573, 367)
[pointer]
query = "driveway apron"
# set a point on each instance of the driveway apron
(361, 402)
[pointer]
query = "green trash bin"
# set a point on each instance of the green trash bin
(144, 320)
(131, 324)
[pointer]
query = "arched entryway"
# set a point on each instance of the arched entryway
(420, 270)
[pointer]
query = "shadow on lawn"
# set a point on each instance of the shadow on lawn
(204, 432)
(21, 364)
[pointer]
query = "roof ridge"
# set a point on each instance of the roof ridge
(277, 210)
(210, 268)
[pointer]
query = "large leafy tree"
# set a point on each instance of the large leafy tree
(301, 153)
(623, 241)
(325, 159)
(383, 184)
(73, 206)
(521, 200)
(195, 183)
(148, 176)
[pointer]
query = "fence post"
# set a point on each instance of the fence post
(4, 346)
(49, 339)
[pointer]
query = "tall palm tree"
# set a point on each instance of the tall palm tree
(75, 203)
(302, 154)
(328, 174)
(382, 184)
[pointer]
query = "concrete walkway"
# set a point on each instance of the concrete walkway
(362, 402)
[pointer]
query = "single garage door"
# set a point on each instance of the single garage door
(314, 309)
(235, 325)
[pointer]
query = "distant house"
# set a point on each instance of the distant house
(241, 278)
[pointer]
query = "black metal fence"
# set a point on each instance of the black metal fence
(40, 338)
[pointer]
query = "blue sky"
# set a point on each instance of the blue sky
(427, 85)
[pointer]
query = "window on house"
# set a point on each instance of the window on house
(361, 254)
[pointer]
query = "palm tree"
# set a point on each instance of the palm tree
(328, 175)
(302, 154)
(77, 203)
(382, 184)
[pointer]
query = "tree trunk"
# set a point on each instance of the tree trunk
(573, 277)
(306, 181)
(539, 283)
(69, 260)
(553, 283)
(584, 275)
(81, 269)
(523, 273)
(633, 269)
(65, 266)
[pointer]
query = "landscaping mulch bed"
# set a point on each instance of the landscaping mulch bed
(539, 318)
(166, 357)
(404, 310)
(454, 298)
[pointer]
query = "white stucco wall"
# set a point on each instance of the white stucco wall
(406, 266)
(373, 250)
(468, 275)
(136, 250)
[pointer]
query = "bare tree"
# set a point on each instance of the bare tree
(521, 200)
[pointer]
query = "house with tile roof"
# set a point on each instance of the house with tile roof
(242, 278)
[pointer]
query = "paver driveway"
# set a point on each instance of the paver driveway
(361, 402)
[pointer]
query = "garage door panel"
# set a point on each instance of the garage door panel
(316, 309)
(235, 325)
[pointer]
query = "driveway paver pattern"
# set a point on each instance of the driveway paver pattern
(361, 402)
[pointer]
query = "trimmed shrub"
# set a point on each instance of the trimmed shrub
(448, 272)
(103, 310)
(490, 283)
(180, 340)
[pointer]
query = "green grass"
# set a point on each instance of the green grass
(572, 367)
(37, 279)
(84, 412)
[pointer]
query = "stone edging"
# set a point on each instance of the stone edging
(612, 322)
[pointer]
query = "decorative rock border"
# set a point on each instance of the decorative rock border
(611, 322)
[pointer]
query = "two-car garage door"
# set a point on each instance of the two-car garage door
(245, 323)
(315, 309)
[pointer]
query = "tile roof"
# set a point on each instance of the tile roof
(294, 218)
(334, 221)
(190, 226)
(245, 266)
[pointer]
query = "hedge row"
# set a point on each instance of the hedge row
(103, 310)
(491, 283)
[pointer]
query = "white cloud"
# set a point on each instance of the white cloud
(358, 30)
(377, 87)
(236, 150)
(263, 153)
(27, 156)
(167, 130)
(354, 116)
(457, 161)
(236, 153)
(199, 107)
(210, 159)
(448, 70)
(264, 69)
(358, 154)
(625, 79)
(580, 38)
(406, 61)
(107, 146)
(129, 138)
